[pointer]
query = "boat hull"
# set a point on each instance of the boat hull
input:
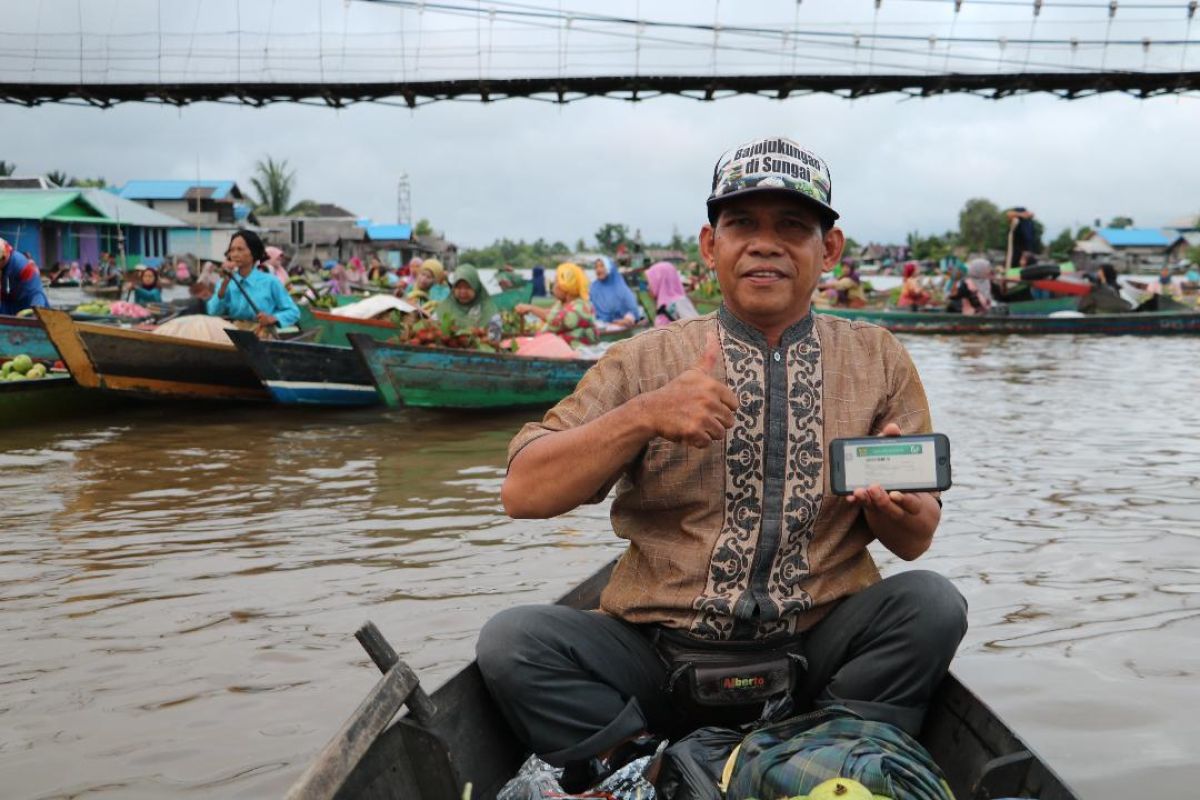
(1153, 323)
(25, 335)
(146, 364)
(434, 377)
(467, 741)
(300, 373)
(52, 397)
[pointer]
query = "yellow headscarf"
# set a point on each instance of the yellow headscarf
(434, 266)
(572, 280)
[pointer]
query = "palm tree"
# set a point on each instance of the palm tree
(273, 184)
(58, 178)
(7, 168)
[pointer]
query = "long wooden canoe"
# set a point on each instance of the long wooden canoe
(308, 374)
(460, 738)
(25, 335)
(436, 377)
(51, 397)
(102, 290)
(148, 364)
(333, 329)
(1146, 323)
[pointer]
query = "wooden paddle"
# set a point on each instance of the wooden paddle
(1012, 228)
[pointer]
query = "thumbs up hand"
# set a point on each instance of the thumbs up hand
(697, 406)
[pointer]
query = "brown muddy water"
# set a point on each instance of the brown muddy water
(179, 585)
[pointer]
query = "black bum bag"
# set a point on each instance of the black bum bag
(722, 673)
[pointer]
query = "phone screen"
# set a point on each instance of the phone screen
(909, 463)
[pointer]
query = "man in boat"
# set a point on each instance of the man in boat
(20, 281)
(1024, 237)
(744, 574)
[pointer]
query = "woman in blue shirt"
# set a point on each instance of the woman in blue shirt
(249, 294)
(147, 290)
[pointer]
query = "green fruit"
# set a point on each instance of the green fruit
(21, 364)
(840, 789)
(36, 371)
(5, 368)
(15, 376)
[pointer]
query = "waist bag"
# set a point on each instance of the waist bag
(716, 674)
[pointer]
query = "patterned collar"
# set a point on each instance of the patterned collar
(752, 335)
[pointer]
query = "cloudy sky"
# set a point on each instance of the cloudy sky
(525, 168)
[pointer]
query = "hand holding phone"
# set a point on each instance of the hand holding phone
(919, 463)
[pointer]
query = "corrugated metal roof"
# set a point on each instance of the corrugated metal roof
(176, 190)
(128, 212)
(80, 205)
(389, 233)
(1135, 237)
(34, 203)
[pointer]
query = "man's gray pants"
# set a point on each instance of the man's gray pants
(573, 684)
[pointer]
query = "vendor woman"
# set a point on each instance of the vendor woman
(248, 294)
(20, 281)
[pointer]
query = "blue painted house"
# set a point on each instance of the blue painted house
(1141, 249)
(64, 225)
(209, 210)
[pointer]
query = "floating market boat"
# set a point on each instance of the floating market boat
(1140, 323)
(25, 335)
(333, 329)
(308, 374)
(437, 377)
(150, 364)
(53, 396)
(102, 290)
(456, 743)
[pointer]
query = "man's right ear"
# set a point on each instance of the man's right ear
(707, 234)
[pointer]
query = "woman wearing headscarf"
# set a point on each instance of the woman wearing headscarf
(246, 293)
(145, 288)
(356, 272)
(429, 285)
(339, 281)
(671, 302)
(469, 304)
(612, 299)
(275, 265)
(572, 317)
(963, 295)
(912, 294)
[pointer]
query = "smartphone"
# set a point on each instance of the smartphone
(918, 463)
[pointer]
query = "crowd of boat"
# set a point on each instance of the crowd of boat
(365, 342)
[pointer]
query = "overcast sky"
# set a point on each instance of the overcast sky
(528, 169)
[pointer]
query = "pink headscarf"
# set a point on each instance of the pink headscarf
(665, 284)
(275, 262)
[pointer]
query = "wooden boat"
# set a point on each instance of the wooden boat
(332, 329)
(144, 363)
(102, 290)
(457, 738)
(308, 374)
(436, 377)
(49, 397)
(1143, 323)
(25, 335)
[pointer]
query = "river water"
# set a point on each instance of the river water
(179, 584)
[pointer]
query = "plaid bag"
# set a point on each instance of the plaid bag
(792, 757)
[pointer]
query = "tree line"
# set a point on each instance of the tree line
(983, 227)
